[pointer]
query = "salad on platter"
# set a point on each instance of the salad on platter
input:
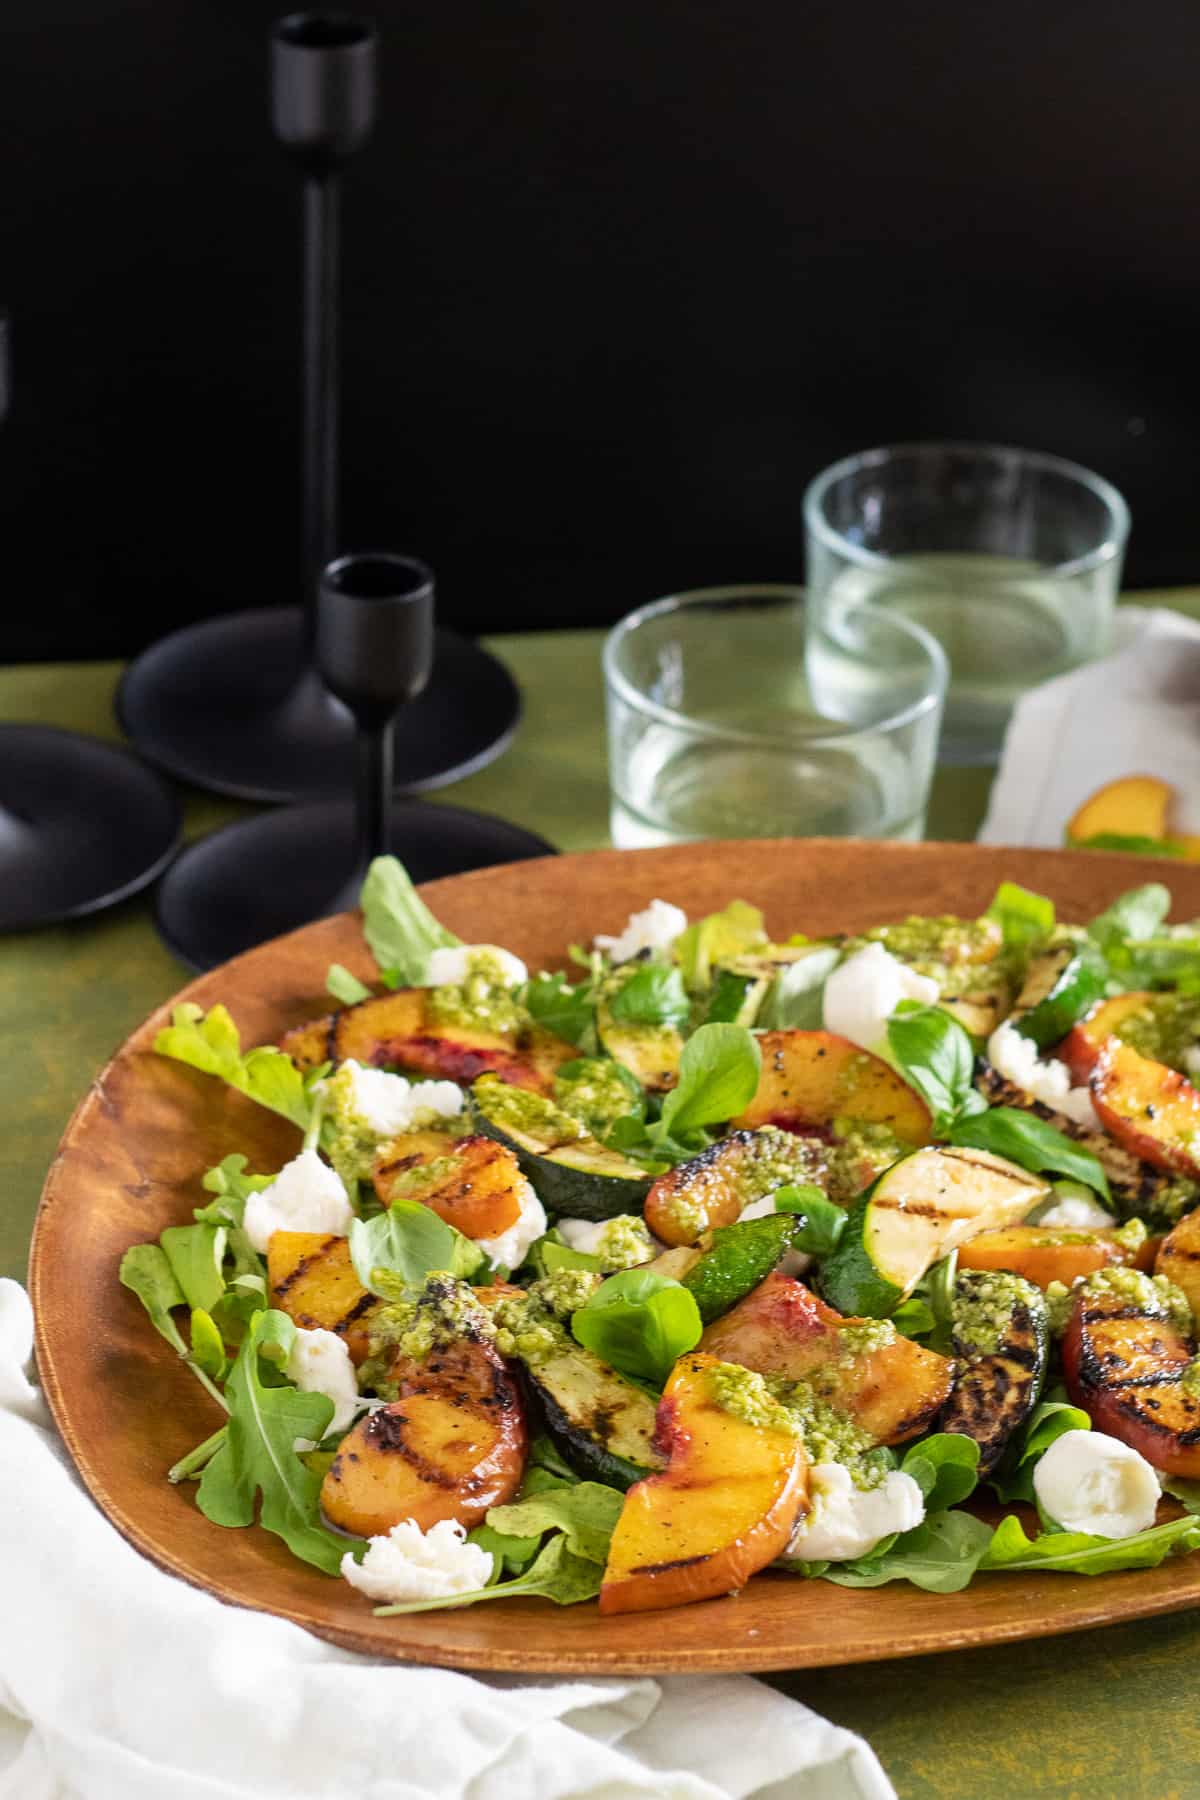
(713, 1256)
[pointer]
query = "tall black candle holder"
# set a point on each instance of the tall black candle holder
(234, 703)
(82, 823)
(374, 645)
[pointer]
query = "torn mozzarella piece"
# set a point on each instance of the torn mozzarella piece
(411, 1564)
(654, 929)
(452, 967)
(1087, 1481)
(307, 1195)
(1016, 1058)
(844, 1521)
(389, 1104)
(320, 1364)
(1076, 1212)
(509, 1250)
(863, 992)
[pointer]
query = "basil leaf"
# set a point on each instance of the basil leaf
(398, 925)
(257, 1459)
(552, 1252)
(795, 999)
(210, 1042)
(569, 1012)
(935, 1055)
(1025, 1139)
(586, 1512)
(1025, 918)
(1049, 1420)
(718, 1076)
(1136, 914)
(344, 986)
(913, 1318)
(652, 995)
(945, 1467)
(410, 1242)
(820, 1222)
(556, 1574)
(639, 1324)
(1078, 1553)
(941, 1556)
(510, 1555)
(196, 1254)
(717, 939)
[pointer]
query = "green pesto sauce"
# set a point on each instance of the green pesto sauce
(1131, 1235)
(1167, 1205)
(1164, 1028)
(1060, 1302)
(774, 1404)
(1189, 1381)
(745, 1394)
(531, 1325)
(595, 1096)
(521, 1110)
(937, 941)
(861, 1151)
(407, 1330)
(864, 1338)
(754, 1167)
(623, 1243)
(1149, 1293)
(982, 1308)
(422, 1176)
(483, 1002)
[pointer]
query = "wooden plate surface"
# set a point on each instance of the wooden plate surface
(130, 1162)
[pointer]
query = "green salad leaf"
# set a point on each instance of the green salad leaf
(408, 1242)
(196, 1254)
(208, 1347)
(346, 987)
(639, 1323)
(146, 1271)
(718, 1075)
(510, 1555)
(935, 1055)
(1078, 1553)
(652, 995)
(551, 1252)
(586, 1512)
(1025, 918)
(569, 1012)
(940, 1555)
(945, 1467)
(1025, 1139)
(820, 1221)
(1048, 1421)
(1136, 914)
(210, 1042)
(1130, 845)
(733, 931)
(398, 926)
(795, 999)
(256, 1462)
(555, 1574)
(232, 1187)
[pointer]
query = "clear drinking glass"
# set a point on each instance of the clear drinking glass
(729, 715)
(1010, 558)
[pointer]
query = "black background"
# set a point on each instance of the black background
(620, 277)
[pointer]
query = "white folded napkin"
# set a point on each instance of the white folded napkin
(118, 1682)
(1135, 712)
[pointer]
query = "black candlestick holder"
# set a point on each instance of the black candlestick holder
(234, 703)
(374, 643)
(82, 823)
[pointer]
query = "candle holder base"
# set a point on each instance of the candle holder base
(270, 874)
(233, 705)
(83, 825)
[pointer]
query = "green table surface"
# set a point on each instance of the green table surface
(1106, 1713)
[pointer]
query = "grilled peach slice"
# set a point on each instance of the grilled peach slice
(1179, 1258)
(1134, 806)
(1150, 1109)
(711, 1189)
(1081, 1047)
(722, 1509)
(312, 1280)
(1124, 1361)
(1043, 1254)
(475, 1184)
(451, 1446)
(782, 1328)
(811, 1078)
(397, 1031)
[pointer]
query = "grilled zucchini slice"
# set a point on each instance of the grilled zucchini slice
(573, 1172)
(1000, 1337)
(602, 1424)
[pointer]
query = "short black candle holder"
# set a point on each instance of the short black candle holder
(265, 876)
(234, 703)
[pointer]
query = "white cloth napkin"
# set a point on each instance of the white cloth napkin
(118, 1682)
(1135, 712)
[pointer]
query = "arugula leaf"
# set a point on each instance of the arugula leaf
(569, 1012)
(1025, 1139)
(510, 1555)
(639, 1323)
(717, 938)
(232, 1187)
(586, 1513)
(146, 1272)
(196, 1254)
(544, 1458)
(1078, 1553)
(941, 1556)
(1025, 918)
(795, 999)
(257, 1458)
(935, 1055)
(1186, 1492)
(1136, 914)
(398, 925)
(556, 1574)
(652, 995)
(410, 1242)
(718, 1075)
(210, 1042)
(208, 1348)
(344, 986)
(945, 1467)
(1049, 1420)
(820, 1222)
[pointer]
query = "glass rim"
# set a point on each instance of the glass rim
(699, 598)
(1110, 547)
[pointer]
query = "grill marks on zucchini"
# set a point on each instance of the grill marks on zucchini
(602, 1424)
(1002, 1367)
(572, 1172)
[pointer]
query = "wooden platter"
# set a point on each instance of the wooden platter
(130, 1163)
